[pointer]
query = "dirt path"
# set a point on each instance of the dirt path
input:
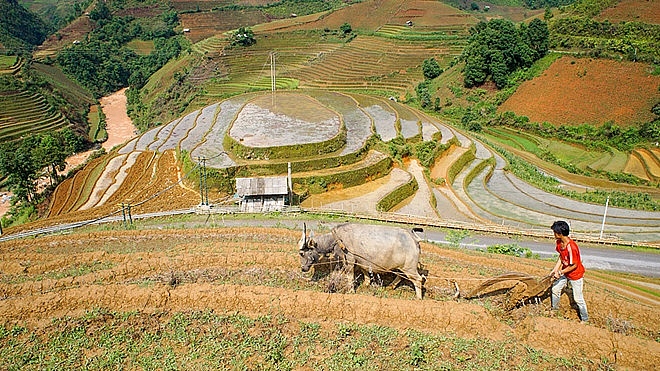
(420, 203)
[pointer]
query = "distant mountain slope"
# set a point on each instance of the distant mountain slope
(20, 30)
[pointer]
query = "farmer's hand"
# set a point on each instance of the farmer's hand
(556, 274)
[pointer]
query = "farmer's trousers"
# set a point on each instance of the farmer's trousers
(558, 287)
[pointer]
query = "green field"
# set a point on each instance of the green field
(586, 159)
(6, 61)
(97, 132)
(141, 47)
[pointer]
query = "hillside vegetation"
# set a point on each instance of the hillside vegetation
(20, 30)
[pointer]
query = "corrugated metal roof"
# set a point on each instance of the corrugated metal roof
(262, 186)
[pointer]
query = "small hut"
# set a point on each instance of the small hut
(262, 194)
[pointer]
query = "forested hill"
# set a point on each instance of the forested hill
(20, 30)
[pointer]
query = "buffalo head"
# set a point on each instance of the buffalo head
(307, 249)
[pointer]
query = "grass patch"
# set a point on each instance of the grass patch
(102, 339)
(7, 61)
(96, 119)
(141, 47)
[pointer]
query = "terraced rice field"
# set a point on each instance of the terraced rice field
(272, 121)
(22, 113)
(358, 123)
(9, 64)
(477, 192)
(206, 24)
(640, 163)
(651, 161)
(501, 198)
(383, 116)
(306, 57)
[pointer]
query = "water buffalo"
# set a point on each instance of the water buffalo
(371, 248)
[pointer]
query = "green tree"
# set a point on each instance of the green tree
(346, 28)
(476, 66)
(497, 48)
(242, 37)
(538, 37)
(20, 168)
(431, 68)
(100, 11)
(424, 94)
(498, 69)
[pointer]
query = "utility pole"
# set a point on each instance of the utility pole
(123, 214)
(126, 214)
(272, 71)
(602, 227)
(203, 186)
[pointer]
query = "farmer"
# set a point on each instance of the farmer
(568, 268)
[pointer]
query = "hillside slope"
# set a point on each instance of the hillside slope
(20, 29)
(225, 297)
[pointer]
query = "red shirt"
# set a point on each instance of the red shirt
(569, 256)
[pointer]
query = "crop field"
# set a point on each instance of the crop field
(357, 122)
(384, 117)
(76, 30)
(613, 161)
(650, 161)
(632, 11)
(271, 121)
(234, 297)
(8, 61)
(22, 112)
(382, 12)
(64, 84)
(504, 199)
(141, 47)
(388, 62)
(599, 91)
(208, 24)
(511, 12)
(129, 175)
(410, 123)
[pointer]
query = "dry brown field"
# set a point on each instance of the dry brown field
(65, 37)
(647, 11)
(372, 14)
(577, 91)
(255, 271)
(205, 25)
(203, 5)
(430, 13)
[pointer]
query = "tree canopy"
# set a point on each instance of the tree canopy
(243, 37)
(22, 162)
(104, 64)
(431, 68)
(20, 29)
(497, 48)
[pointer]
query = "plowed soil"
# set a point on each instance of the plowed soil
(578, 91)
(255, 271)
(633, 11)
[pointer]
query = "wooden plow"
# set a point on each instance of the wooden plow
(525, 288)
